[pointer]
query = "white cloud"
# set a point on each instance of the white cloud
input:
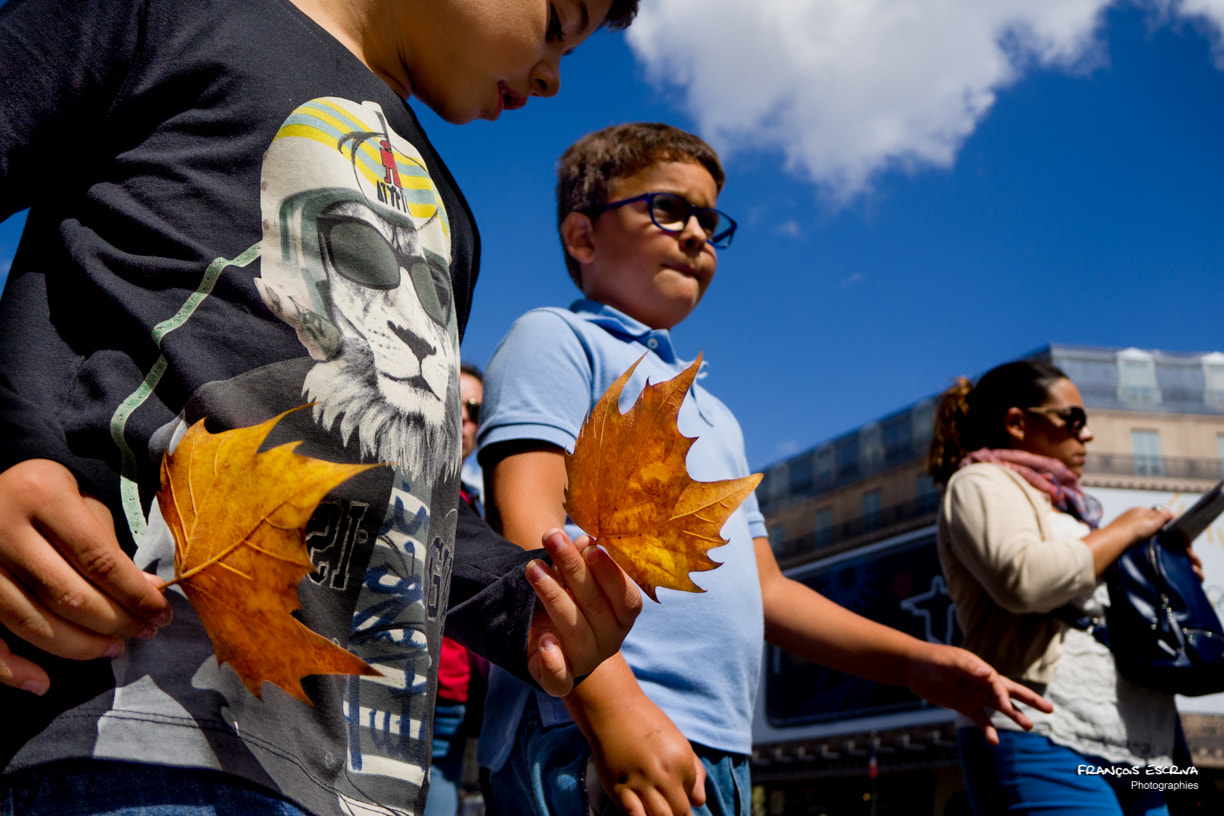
(847, 88)
(790, 229)
(1210, 12)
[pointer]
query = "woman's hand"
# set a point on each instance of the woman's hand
(1135, 525)
(1141, 523)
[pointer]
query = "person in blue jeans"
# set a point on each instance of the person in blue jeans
(1018, 538)
(462, 675)
(665, 727)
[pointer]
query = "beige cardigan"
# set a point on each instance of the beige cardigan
(1006, 569)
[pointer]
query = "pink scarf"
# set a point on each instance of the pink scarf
(1048, 475)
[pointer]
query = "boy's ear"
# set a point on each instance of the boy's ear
(577, 235)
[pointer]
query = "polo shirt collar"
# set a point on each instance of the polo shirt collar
(657, 340)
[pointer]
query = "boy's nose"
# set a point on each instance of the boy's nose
(546, 78)
(692, 234)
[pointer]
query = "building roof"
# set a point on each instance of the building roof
(1117, 379)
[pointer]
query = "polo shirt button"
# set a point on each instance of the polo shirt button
(652, 343)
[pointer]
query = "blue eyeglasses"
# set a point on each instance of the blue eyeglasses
(670, 213)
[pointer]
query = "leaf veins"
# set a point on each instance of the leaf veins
(238, 517)
(629, 487)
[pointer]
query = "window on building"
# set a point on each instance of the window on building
(773, 485)
(1145, 447)
(777, 539)
(824, 527)
(922, 424)
(801, 475)
(1137, 378)
(871, 509)
(824, 466)
(871, 448)
(1213, 380)
(927, 498)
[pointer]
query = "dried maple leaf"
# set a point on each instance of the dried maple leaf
(629, 487)
(238, 517)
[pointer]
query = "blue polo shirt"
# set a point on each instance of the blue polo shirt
(697, 656)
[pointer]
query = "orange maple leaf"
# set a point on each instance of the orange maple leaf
(629, 487)
(238, 517)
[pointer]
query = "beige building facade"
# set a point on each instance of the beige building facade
(1157, 419)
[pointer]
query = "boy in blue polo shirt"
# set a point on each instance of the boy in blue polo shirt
(666, 725)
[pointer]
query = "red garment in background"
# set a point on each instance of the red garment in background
(454, 672)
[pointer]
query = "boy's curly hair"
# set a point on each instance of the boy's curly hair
(588, 167)
(621, 14)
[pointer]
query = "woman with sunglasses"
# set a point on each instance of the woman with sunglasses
(1018, 539)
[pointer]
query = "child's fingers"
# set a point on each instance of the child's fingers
(1021, 692)
(88, 542)
(36, 570)
(673, 801)
(21, 673)
(26, 618)
(565, 620)
(548, 666)
(571, 569)
(622, 595)
(61, 546)
(982, 721)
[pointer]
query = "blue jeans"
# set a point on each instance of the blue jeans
(99, 788)
(1027, 774)
(446, 772)
(545, 775)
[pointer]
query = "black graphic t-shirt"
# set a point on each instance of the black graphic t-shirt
(231, 217)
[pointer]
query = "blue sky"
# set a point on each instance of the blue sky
(919, 197)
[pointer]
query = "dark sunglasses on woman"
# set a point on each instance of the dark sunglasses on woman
(1074, 417)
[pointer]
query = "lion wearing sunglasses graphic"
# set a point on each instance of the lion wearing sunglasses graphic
(359, 266)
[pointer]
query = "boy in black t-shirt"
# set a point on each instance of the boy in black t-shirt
(233, 213)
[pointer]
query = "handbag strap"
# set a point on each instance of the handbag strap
(1077, 619)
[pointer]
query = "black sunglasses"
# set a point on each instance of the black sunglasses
(1074, 417)
(670, 213)
(473, 409)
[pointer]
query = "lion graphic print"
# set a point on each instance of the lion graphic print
(355, 259)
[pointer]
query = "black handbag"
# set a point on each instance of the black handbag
(1163, 631)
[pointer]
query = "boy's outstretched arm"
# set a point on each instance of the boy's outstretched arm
(588, 606)
(645, 764)
(66, 586)
(806, 623)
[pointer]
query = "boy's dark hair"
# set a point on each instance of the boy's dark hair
(970, 417)
(621, 14)
(472, 370)
(588, 167)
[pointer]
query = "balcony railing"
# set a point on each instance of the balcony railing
(887, 518)
(1122, 464)
(1098, 464)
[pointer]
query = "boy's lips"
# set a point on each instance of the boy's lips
(510, 99)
